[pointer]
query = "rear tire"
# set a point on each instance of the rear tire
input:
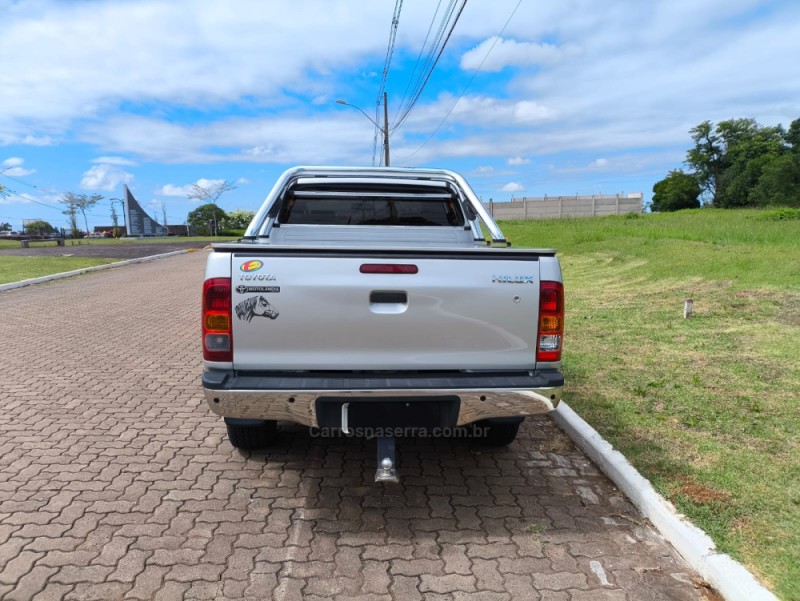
(499, 434)
(251, 434)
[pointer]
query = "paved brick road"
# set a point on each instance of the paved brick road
(117, 483)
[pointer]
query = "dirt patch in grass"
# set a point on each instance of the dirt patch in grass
(702, 494)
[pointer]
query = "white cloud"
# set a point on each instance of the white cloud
(184, 191)
(599, 164)
(242, 181)
(208, 183)
(512, 187)
(482, 111)
(484, 170)
(18, 172)
(30, 140)
(173, 190)
(7, 138)
(13, 167)
(14, 199)
(105, 177)
(119, 161)
(64, 70)
(511, 53)
(260, 151)
(515, 161)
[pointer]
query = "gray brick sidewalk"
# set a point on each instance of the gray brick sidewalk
(116, 482)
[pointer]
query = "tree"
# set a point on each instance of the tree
(749, 147)
(210, 192)
(39, 228)
(238, 219)
(72, 213)
(3, 191)
(728, 159)
(706, 158)
(793, 136)
(677, 191)
(5, 227)
(114, 221)
(206, 219)
(779, 183)
(79, 202)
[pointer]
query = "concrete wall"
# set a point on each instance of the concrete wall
(553, 207)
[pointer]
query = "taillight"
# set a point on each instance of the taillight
(217, 335)
(551, 321)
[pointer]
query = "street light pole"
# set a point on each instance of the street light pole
(122, 207)
(384, 129)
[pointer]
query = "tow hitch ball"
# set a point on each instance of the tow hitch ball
(386, 471)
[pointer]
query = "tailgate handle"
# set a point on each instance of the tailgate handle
(391, 297)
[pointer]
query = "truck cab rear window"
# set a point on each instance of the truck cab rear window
(321, 208)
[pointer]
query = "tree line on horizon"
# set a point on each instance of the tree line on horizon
(733, 164)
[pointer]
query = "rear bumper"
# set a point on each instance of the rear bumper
(293, 396)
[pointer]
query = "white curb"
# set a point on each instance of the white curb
(728, 577)
(69, 274)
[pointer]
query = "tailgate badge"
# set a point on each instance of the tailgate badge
(268, 289)
(257, 277)
(252, 266)
(513, 279)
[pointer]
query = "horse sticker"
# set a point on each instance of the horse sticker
(256, 306)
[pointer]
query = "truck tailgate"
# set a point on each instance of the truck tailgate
(336, 310)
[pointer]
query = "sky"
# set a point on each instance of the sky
(528, 98)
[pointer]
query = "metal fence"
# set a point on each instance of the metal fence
(553, 207)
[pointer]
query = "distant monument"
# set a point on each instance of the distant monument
(137, 222)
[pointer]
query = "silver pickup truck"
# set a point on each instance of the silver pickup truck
(382, 302)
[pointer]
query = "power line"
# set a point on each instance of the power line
(390, 48)
(431, 53)
(469, 83)
(44, 204)
(419, 57)
(28, 199)
(433, 61)
(398, 7)
(19, 181)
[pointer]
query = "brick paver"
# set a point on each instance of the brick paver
(116, 482)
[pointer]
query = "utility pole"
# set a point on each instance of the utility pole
(386, 129)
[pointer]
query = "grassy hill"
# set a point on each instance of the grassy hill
(707, 408)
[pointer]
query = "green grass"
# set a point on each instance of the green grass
(101, 241)
(15, 268)
(707, 408)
